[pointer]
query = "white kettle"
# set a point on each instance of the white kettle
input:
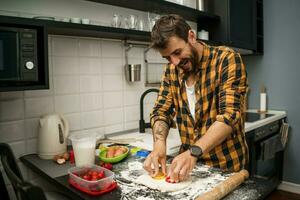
(52, 136)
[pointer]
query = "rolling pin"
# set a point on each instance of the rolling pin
(225, 187)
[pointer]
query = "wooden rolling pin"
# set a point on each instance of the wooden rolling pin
(225, 187)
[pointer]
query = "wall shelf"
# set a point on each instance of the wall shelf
(162, 7)
(72, 29)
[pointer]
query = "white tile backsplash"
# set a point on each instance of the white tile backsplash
(113, 116)
(18, 148)
(112, 65)
(112, 49)
(11, 95)
(36, 107)
(91, 101)
(66, 84)
(132, 113)
(67, 103)
(112, 99)
(12, 131)
(91, 119)
(89, 66)
(65, 65)
(31, 146)
(132, 97)
(90, 83)
(89, 47)
(64, 46)
(74, 121)
(7, 114)
(31, 127)
(112, 82)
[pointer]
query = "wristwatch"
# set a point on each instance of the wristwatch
(196, 151)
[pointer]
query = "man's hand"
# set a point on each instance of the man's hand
(181, 166)
(156, 157)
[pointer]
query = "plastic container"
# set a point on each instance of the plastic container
(92, 187)
(84, 145)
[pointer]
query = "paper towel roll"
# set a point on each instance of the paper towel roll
(263, 102)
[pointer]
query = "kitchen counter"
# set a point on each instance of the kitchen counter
(252, 189)
(249, 126)
(174, 142)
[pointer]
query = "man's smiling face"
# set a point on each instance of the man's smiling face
(180, 53)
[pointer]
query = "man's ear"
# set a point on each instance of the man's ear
(192, 37)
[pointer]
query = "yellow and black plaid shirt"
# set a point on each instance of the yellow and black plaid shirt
(220, 89)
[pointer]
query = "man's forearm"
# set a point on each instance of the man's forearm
(160, 131)
(214, 136)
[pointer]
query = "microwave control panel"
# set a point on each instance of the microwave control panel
(28, 55)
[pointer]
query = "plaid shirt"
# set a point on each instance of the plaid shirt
(220, 88)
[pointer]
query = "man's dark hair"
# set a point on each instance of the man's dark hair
(166, 27)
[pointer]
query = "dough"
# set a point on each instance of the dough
(162, 185)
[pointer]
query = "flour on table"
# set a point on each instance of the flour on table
(162, 185)
(203, 178)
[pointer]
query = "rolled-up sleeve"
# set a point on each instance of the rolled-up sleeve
(164, 107)
(232, 89)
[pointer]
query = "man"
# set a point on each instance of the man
(204, 87)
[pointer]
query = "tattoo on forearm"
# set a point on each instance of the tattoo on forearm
(160, 131)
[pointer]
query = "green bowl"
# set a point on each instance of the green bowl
(114, 159)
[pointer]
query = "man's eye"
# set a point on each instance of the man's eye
(177, 53)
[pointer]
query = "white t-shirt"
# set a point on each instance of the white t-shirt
(190, 91)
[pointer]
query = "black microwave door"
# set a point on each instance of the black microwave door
(9, 61)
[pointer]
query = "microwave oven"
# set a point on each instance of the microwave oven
(23, 57)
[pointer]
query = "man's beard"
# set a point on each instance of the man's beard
(193, 59)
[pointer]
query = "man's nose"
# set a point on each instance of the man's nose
(174, 60)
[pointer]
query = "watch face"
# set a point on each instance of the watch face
(196, 151)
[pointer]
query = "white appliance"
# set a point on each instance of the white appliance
(52, 136)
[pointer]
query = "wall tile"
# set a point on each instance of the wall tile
(18, 148)
(112, 66)
(12, 131)
(131, 125)
(91, 101)
(112, 99)
(74, 121)
(36, 107)
(91, 119)
(113, 116)
(89, 47)
(132, 97)
(90, 66)
(112, 49)
(11, 95)
(136, 52)
(112, 82)
(66, 84)
(64, 46)
(31, 128)
(132, 113)
(90, 84)
(65, 65)
(67, 103)
(32, 146)
(11, 110)
(114, 128)
(40, 93)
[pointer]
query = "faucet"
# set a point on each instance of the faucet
(144, 125)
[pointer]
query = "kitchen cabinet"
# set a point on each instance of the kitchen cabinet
(241, 24)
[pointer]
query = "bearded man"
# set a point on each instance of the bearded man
(204, 87)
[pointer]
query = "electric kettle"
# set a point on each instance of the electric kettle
(52, 135)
